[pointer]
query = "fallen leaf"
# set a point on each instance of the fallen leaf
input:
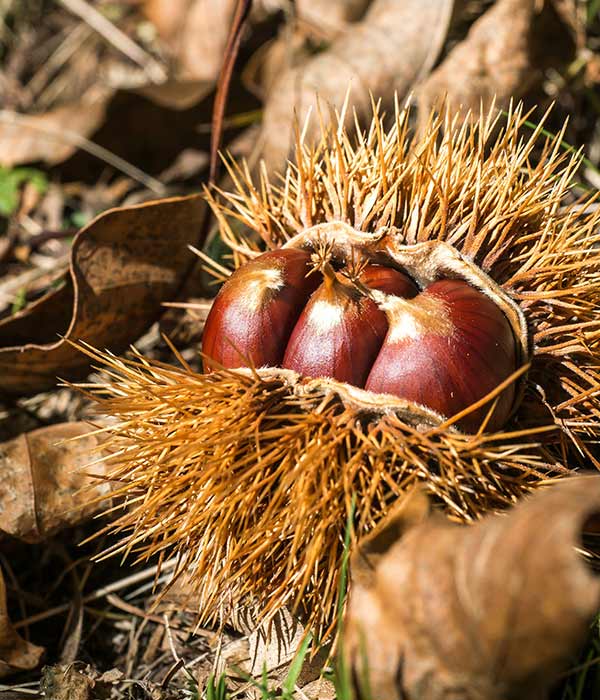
(15, 653)
(330, 17)
(504, 56)
(124, 264)
(490, 611)
(389, 50)
(195, 31)
(44, 486)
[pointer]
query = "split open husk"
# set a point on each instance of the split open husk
(249, 476)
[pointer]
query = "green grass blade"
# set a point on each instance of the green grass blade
(291, 678)
(342, 678)
(563, 144)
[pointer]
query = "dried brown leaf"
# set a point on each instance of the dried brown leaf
(124, 264)
(76, 682)
(503, 57)
(195, 31)
(395, 44)
(483, 612)
(44, 486)
(330, 17)
(16, 654)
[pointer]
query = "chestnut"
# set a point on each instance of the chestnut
(340, 330)
(446, 349)
(255, 311)
(388, 280)
(338, 334)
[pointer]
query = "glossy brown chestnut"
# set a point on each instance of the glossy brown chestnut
(445, 350)
(255, 311)
(338, 334)
(388, 280)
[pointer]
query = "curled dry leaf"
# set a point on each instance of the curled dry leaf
(16, 654)
(503, 57)
(124, 264)
(395, 44)
(44, 486)
(483, 612)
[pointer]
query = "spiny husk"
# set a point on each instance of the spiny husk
(248, 476)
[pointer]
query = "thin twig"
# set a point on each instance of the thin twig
(72, 137)
(20, 689)
(231, 51)
(97, 21)
(99, 593)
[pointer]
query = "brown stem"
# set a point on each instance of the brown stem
(48, 235)
(234, 39)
